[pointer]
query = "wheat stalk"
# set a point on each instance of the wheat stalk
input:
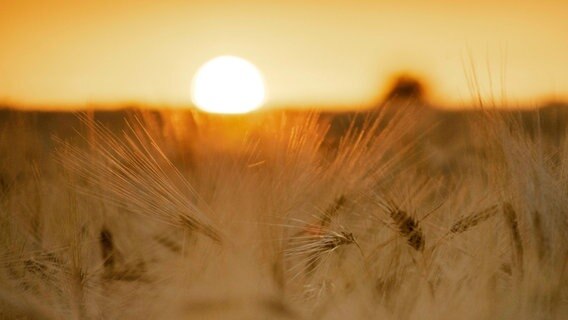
(541, 239)
(468, 222)
(512, 223)
(332, 211)
(132, 172)
(314, 244)
(408, 227)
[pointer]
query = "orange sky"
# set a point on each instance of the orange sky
(310, 52)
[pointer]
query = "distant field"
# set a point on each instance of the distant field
(403, 212)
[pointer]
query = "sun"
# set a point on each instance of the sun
(229, 85)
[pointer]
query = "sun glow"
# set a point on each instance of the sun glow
(229, 85)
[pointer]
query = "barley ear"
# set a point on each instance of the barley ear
(511, 220)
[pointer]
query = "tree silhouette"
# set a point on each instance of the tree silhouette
(406, 87)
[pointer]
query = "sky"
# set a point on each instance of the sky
(310, 52)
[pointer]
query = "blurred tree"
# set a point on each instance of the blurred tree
(406, 87)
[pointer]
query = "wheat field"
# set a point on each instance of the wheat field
(403, 212)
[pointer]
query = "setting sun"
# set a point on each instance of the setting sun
(229, 85)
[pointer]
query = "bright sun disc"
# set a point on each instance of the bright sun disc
(228, 84)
